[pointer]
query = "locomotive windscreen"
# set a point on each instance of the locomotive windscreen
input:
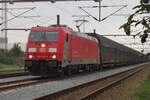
(44, 36)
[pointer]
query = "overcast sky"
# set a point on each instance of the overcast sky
(48, 11)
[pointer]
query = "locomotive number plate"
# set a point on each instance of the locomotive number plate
(42, 50)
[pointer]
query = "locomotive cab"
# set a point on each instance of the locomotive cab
(55, 49)
(44, 52)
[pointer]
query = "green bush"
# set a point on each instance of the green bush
(16, 51)
(15, 56)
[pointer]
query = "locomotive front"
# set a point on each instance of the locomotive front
(43, 54)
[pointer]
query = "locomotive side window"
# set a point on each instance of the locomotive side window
(44, 36)
(67, 37)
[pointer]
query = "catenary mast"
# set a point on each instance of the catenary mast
(4, 26)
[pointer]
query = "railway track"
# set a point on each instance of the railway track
(13, 74)
(22, 83)
(100, 90)
(16, 84)
(89, 90)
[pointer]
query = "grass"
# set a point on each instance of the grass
(143, 92)
(8, 68)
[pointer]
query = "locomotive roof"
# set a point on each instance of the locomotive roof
(50, 27)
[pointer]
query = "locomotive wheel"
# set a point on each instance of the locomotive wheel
(62, 74)
(66, 71)
(101, 67)
(97, 68)
(87, 68)
(69, 71)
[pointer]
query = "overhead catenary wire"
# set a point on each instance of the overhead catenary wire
(104, 6)
(41, 20)
(123, 6)
(17, 16)
(16, 8)
(63, 10)
(29, 17)
(52, 1)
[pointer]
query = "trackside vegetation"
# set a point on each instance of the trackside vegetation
(8, 68)
(12, 59)
(143, 92)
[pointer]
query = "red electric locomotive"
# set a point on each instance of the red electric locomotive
(58, 48)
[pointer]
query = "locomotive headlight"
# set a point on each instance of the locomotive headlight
(30, 56)
(31, 49)
(43, 45)
(54, 56)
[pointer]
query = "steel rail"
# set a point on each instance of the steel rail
(4, 86)
(109, 85)
(22, 83)
(13, 74)
(14, 84)
(16, 29)
(68, 90)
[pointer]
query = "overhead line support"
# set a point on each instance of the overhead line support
(53, 1)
